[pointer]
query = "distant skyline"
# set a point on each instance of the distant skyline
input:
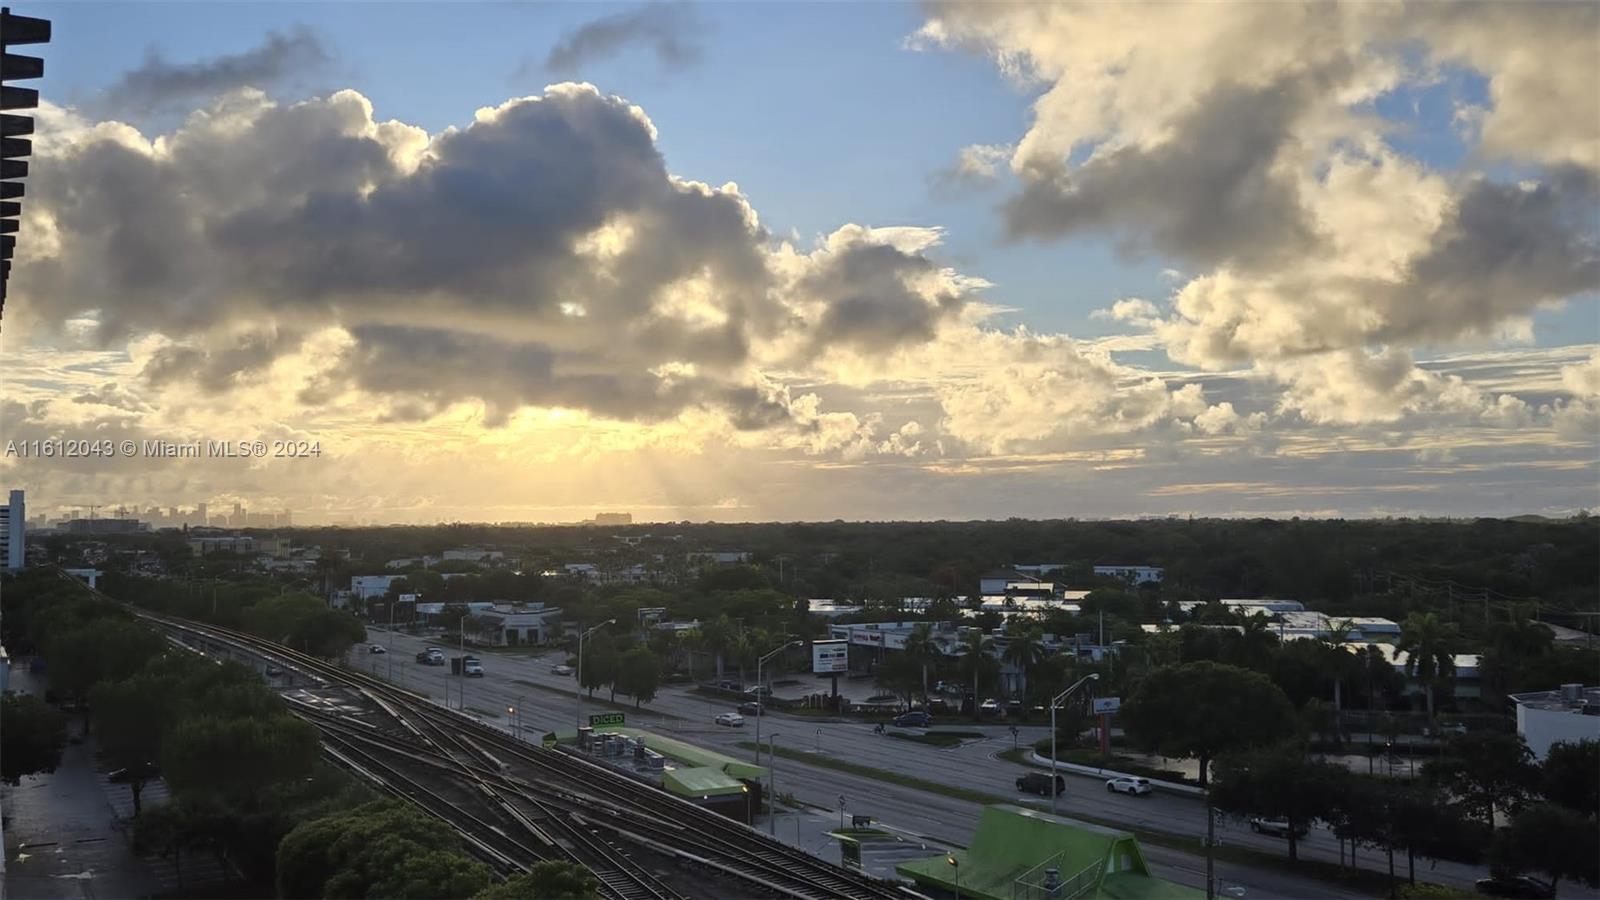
(778, 262)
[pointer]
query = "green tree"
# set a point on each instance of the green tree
(923, 650)
(1203, 709)
(1320, 719)
(327, 633)
(131, 717)
(550, 878)
(377, 850)
(1486, 771)
(639, 675)
(104, 649)
(1429, 645)
(1550, 839)
(1570, 776)
(1024, 652)
(32, 735)
(977, 664)
(235, 759)
(600, 658)
(1280, 783)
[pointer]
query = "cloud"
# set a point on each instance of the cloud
(159, 84)
(672, 30)
(1241, 142)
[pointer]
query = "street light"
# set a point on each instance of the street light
(954, 864)
(1055, 703)
(772, 786)
(580, 666)
(760, 694)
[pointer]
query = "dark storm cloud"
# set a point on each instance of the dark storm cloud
(671, 30)
(870, 304)
(1207, 195)
(158, 84)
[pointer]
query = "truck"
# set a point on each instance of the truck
(432, 656)
(466, 666)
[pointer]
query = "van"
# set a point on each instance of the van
(1039, 783)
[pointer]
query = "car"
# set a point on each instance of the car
(730, 685)
(377, 648)
(990, 707)
(1039, 783)
(561, 669)
(1276, 827)
(759, 690)
(1127, 784)
(913, 719)
(730, 719)
(750, 708)
(1514, 886)
(472, 668)
(432, 656)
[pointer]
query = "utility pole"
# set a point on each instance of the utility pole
(1211, 844)
(772, 787)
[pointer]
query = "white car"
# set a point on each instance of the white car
(562, 669)
(731, 719)
(1129, 785)
(989, 707)
(377, 648)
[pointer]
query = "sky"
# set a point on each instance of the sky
(758, 261)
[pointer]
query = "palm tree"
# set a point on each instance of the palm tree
(1337, 658)
(1024, 652)
(1429, 646)
(921, 647)
(717, 636)
(975, 654)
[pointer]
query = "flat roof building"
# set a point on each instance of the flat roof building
(1570, 713)
(14, 533)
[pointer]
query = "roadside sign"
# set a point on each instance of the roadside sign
(610, 718)
(830, 657)
(1106, 705)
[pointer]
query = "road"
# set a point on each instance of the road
(527, 683)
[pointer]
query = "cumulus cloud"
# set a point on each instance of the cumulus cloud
(671, 30)
(1241, 141)
(159, 84)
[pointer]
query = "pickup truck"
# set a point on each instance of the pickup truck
(432, 656)
(466, 666)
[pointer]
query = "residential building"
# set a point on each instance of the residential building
(1132, 574)
(1570, 713)
(14, 533)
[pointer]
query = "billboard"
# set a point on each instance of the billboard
(830, 657)
(598, 720)
(1106, 705)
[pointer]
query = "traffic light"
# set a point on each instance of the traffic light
(14, 129)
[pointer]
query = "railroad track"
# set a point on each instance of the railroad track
(640, 812)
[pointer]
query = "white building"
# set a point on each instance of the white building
(1570, 714)
(1263, 607)
(368, 587)
(13, 533)
(1132, 574)
(508, 624)
(995, 582)
(91, 577)
(719, 557)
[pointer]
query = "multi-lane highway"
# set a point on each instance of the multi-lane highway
(545, 703)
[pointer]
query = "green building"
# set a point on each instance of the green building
(1025, 854)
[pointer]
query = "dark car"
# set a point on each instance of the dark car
(750, 708)
(914, 719)
(1515, 886)
(1039, 783)
(1276, 827)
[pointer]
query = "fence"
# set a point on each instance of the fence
(1044, 881)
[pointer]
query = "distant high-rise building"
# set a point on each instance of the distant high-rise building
(200, 514)
(13, 532)
(613, 519)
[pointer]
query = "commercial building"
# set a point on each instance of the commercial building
(1132, 574)
(367, 587)
(1571, 713)
(14, 533)
(511, 624)
(1019, 852)
(104, 526)
(718, 557)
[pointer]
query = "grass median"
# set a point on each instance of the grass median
(1329, 873)
(598, 701)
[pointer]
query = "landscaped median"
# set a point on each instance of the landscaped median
(1359, 879)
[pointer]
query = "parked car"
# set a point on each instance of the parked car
(759, 690)
(750, 708)
(1514, 886)
(1127, 784)
(561, 669)
(377, 648)
(730, 719)
(914, 719)
(1276, 827)
(990, 707)
(949, 687)
(728, 684)
(1039, 783)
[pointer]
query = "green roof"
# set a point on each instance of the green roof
(703, 781)
(1013, 842)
